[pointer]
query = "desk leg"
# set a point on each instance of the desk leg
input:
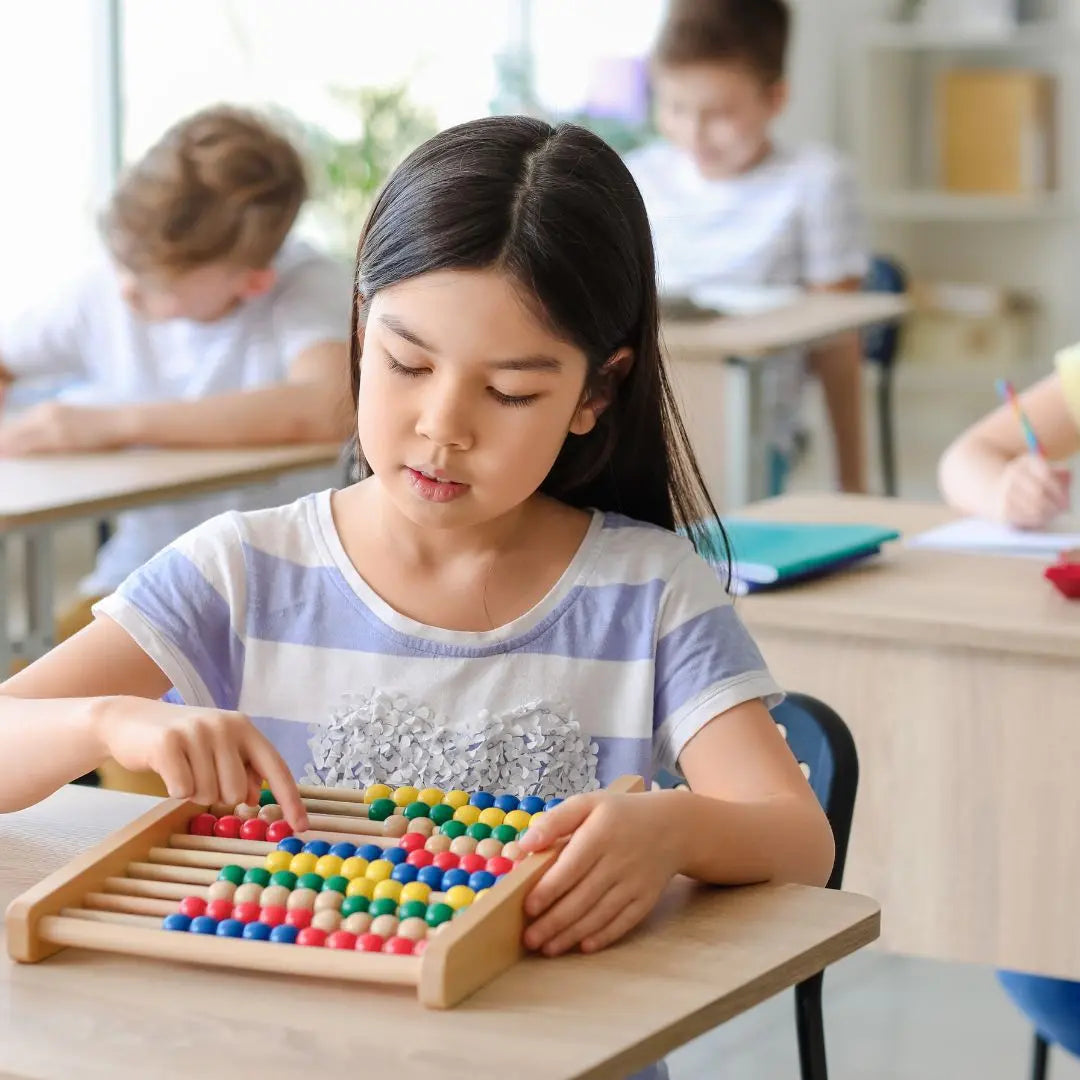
(746, 467)
(40, 617)
(7, 643)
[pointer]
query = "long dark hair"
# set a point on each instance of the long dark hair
(556, 210)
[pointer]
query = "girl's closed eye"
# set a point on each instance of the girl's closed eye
(403, 369)
(516, 401)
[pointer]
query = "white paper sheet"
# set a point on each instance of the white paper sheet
(989, 538)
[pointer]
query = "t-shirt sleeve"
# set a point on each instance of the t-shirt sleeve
(706, 661)
(186, 609)
(834, 233)
(1068, 366)
(312, 306)
(46, 339)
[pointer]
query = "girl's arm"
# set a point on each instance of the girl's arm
(95, 697)
(988, 471)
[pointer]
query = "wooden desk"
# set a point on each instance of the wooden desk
(708, 955)
(725, 360)
(960, 678)
(39, 493)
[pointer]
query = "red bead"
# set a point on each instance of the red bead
(446, 860)
(219, 909)
(246, 912)
(498, 865)
(278, 830)
(202, 825)
(311, 935)
(193, 906)
(228, 827)
(412, 841)
(419, 946)
(471, 863)
(341, 939)
(369, 943)
(400, 946)
(299, 917)
(419, 858)
(272, 916)
(255, 829)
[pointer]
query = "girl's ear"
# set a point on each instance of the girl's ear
(596, 400)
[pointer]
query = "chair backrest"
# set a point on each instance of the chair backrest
(882, 342)
(825, 750)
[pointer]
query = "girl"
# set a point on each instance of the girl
(501, 601)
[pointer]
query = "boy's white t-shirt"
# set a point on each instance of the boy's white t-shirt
(90, 334)
(793, 220)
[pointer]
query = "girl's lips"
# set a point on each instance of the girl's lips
(435, 490)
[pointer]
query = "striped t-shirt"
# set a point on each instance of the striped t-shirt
(633, 651)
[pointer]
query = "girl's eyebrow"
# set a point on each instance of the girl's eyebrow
(538, 362)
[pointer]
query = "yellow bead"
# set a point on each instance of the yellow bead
(388, 890)
(376, 791)
(481, 894)
(304, 863)
(517, 819)
(416, 890)
(404, 796)
(353, 868)
(278, 860)
(430, 795)
(329, 866)
(379, 870)
(492, 816)
(456, 798)
(361, 886)
(468, 815)
(460, 896)
(536, 819)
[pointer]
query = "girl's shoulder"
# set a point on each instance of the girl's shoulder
(640, 551)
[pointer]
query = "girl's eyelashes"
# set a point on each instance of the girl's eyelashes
(403, 369)
(512, 400)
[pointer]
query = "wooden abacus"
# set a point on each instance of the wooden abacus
(114, 897)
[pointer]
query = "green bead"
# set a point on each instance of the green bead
(283, 877)
(353, 904)
(266, 797)
(417, 809)
(257, 875)
(311, 881)
(478, 831)
(441, 813)
(381, 809)
(413, 909)
(337, 883)
(437, 914)
(232, 873)
(385, 906)
(504, 833)
(453, 829)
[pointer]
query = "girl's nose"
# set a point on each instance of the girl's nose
(444, 419)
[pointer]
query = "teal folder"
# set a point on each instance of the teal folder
(770, 554)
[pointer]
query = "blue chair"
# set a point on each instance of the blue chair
(824, 748)
(881, 344)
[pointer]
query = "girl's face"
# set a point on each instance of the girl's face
(465, 397)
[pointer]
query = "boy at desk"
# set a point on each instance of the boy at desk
(731, 206)
(207, 326)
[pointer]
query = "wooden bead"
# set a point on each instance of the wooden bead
(423, 825)
(302, 898)
(331, 900)
(359, 923)
(221, 890)
(488, 849)
(395, 826)
(271, 812)
(513, 851)
(245, 811)
(463, 845)
(327, 920)
(249, 893)
(437, 843)
(275, 896)
(385, 926)
(415, 929)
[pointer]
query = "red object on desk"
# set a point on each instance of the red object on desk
(1065, 574)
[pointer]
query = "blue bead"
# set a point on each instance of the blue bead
(257, 931)
(457, 876)
(292, 844)
(371, 852)
(318, 848)
(396, 855)
(176, 921)
(532, 804)
(431, 876)
(343, 850)
(284, 934)
(506, 803)
(204, 925)
(482, 799)
(230, 928)
(551, 804)
(480, 879)
(405, 873)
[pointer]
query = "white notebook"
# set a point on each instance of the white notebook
(990, 538)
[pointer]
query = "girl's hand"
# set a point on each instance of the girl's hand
(205, 755)
(1031, 492)
(607, 878)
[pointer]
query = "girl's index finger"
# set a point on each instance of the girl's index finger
(268, 763)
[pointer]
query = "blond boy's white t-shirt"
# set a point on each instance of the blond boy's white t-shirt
(89, 333)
